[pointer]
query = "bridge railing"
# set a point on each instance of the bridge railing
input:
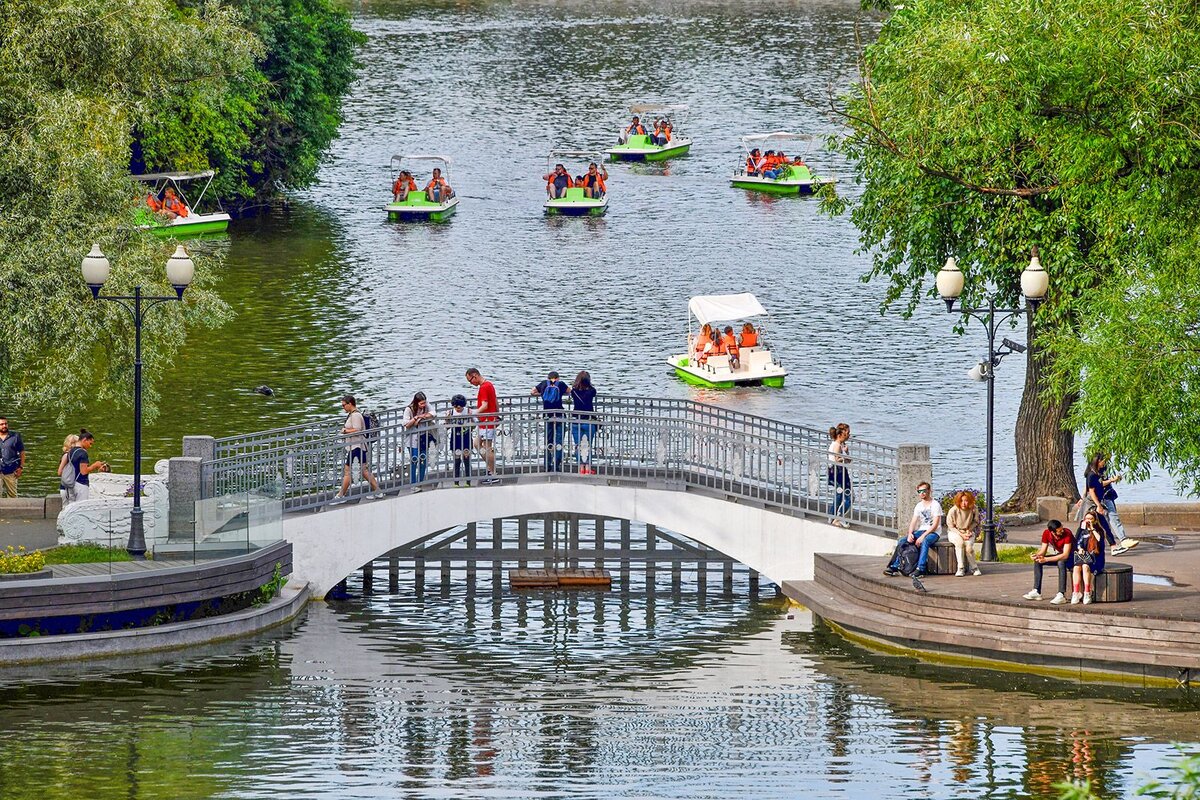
(670, 442)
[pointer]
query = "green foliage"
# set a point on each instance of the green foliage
(270, 130)
(982, 127)
(271, 589)
(85, 553)
(1185, 777)
(15, 561)
(76, 77)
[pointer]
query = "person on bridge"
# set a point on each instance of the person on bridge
(583, 425)
(355, 431)
(420, 423)
(486, 408)
(458, 423)
(922, 530)
(839, 475)
(552, 391)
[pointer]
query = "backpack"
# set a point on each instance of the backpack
(69, 475)
(910, 554)
(551, 394)
(370, 426)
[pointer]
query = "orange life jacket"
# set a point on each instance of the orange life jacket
(638, 130)
(154, 203)
(436, 182)
(701, 342)
(750, 339)
(666, 131)
(729, 342)
(176, 206)
(399, 184)
(717, 349)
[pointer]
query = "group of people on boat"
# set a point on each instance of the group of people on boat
(771, 164)
(712, 341)
(169, 204)
(661, 131)
(436, 191)
(593, 182)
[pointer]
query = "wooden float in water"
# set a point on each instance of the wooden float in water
(559, 578)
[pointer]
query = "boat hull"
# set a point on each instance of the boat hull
(777, 187)
(649, 153)
(575, 208)
(193, 225)
(422, 211)
(693, 375)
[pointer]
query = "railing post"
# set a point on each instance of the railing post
(205, 449)
(184, 490)
(912, 467)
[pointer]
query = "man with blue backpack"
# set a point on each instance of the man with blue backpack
(552, 391)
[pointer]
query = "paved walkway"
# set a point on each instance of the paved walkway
(110, 568)
(32, 534)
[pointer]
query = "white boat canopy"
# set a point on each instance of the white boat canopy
(725, 307)
(650, 108)
(151, 177)
(443, 159)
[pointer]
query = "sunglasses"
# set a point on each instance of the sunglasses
(922, 491)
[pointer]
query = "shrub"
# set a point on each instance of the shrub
(18, 561)
(947, 500)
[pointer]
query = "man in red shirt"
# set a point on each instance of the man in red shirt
(1057, 542)
(486, 407)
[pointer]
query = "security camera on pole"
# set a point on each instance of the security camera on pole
(1034, 285)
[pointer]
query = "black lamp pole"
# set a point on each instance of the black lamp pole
(137, 304)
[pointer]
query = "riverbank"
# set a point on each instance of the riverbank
(984, 621)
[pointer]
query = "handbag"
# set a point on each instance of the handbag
(1084, 557)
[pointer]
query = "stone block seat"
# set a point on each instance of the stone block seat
(1114, 584)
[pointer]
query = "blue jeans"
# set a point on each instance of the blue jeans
(926, 543)
(1114, 521)
(579, 432)
(555, 431)
(417, 464)
(842, 491)
(772, 173)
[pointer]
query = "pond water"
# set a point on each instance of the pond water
(467, 693)
(331, 297)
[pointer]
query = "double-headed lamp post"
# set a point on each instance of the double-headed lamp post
(1034, 285)
(180, 271)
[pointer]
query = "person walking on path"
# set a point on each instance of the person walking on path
(552, 391)
(583, 424)
(458, 424)
(838, 475)
(486, 411)
(78, 461)
(66, 492)
(418, 421)
(1057, 544)
(1103, 496)
(962, 522)
(355, 431)
(922, 531)
(12, 459)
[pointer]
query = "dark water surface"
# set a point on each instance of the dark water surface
(466, 694)
(329, 296)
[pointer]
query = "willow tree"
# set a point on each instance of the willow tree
(76, 78)
(979, 128)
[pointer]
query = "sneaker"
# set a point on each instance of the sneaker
(490, 481)
(1087, 599)
(416, 489)
(337, 500)
(457, 484)
(1116, 551)
(844, 524)
(891, 573)
(1059, 599)
(919, 574)
(1130, 543)
(1034, 594)
(977, 571)
(378, 495)
(959, 574)
(1075, 598)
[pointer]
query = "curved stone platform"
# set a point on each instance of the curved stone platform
(982, 621)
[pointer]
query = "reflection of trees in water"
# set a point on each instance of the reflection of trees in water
(1067, 731)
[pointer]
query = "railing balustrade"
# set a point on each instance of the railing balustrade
(672, 443)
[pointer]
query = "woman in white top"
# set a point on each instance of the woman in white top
(418, 420)
(838, 475)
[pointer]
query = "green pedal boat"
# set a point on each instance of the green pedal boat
(414, 201)
(168, 212)
(569, 197)
(752, 365)
(792, 178)
(642, 146)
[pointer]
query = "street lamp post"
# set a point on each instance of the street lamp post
(1034, 285)
(180, 271)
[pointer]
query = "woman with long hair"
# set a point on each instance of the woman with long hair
(839, 475)
(1101, 494)
(418, 420)
(963, 524)
(69, 444)
(583, 421)
(1089, 558)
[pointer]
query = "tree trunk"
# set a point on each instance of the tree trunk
(1045, 446)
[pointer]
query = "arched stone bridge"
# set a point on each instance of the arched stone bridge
(753, 488)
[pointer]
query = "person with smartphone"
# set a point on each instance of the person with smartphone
(1088, 559)
(1101, 493)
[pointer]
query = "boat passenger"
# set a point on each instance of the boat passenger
(777, 167)
(730, 343)
(558, 181)
(153, 202)
(437, 190)
(754, 162)
(749, 336)
(703, 340)
(715, 348)
(172, 206)
(662, 131)
(402, 186)
(593, 182)
(635, 129)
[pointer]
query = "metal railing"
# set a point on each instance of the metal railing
(675, 443)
